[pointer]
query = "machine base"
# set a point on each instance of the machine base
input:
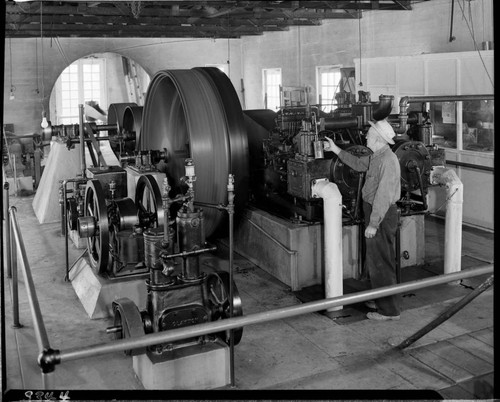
(77, 241)
(97, 293)
(19, 184)
(293, 253)
(412, 244)
(193, 367)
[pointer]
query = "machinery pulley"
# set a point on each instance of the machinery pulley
(218, 294)
(72, 213)
(94, 226)
(346, 178)
(132, 121)
(196, 114)
(148, 201)
(116, 113)
(127, 323)
(415, 162)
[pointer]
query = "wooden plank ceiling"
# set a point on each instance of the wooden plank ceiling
(171, 19)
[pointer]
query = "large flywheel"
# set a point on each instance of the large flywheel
(116, 113)
(196, 114)
(149, 202)
(132, 121)
(94, 226)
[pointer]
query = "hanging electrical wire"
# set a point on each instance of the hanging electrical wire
(44, 123)
(359, 32)
(228, 50)
(12, 87)
(41, 52)
(59, 47)
(471, 31)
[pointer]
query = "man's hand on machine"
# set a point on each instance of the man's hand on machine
(329, 145)
(370, 232)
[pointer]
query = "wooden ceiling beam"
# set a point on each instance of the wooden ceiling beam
(233, 22)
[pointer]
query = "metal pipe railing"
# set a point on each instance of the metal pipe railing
(6, 229)
(36, 314)
(258, 318)
(470, 165)
(447, 314)
(49, 357)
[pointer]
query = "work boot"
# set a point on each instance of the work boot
(371, 304)
(373, 315)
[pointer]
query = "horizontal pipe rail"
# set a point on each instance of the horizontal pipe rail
(40, 332)
(471, 165)
(446, 98)
(257, 318)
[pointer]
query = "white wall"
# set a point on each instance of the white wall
(152, 54)
(424, 29)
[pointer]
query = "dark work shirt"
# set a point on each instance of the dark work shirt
(382, 186)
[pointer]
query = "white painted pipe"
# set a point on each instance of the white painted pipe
(332, 207)
(453, 223)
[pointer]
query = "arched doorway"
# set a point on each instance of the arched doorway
(101, 79)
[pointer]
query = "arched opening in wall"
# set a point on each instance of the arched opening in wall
(98, 80)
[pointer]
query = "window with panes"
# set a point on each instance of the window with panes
(81, 82)
(328, 84)
(272, 82)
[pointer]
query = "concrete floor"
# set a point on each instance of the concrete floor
(296, 357)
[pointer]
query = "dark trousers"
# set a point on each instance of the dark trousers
(381, 259)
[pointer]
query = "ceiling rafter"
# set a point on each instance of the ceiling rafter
(209, 18)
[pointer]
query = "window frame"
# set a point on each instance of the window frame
(265, 87)
(80, 63)
(336, 69)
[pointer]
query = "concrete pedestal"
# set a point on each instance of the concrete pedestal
(189, 368)
(97, 293)
(46, 200)
(19, 184)
(294, 253)
(77, 241)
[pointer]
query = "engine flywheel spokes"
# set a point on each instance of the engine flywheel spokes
(149, 202)
(98, 244)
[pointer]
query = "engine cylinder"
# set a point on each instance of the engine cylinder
(190, 237)
(152, 247)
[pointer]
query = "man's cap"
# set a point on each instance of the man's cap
(384, 129)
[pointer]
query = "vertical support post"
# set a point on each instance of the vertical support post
(62, 201)
(65, 230)
(15, 287)
(398, 248)
(6, 229)
(37, 162)
(230, 209)
(14, 171)
(82, 142)
(48, 380)
(13, 250)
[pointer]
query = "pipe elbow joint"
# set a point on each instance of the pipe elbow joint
(48, 359)
(326, 190)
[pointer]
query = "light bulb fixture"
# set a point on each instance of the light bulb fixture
(44, 123)
(12, 90)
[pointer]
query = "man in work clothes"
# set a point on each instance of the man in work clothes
(380, 192)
